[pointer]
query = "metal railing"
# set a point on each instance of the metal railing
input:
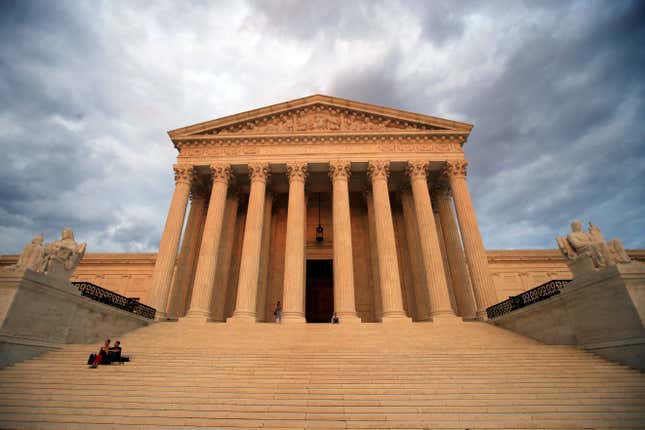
(111, 298)
(539, 293)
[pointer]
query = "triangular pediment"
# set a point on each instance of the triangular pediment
(320, 114)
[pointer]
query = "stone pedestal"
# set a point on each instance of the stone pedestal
(39, 314)
(603, 312)
(606, 310)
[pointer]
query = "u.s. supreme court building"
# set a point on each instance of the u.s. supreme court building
(327, 205)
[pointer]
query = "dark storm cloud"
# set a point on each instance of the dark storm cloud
(58, 111)
(559, 132)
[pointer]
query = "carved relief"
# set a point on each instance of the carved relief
(221, 173)
(259, 172)
(340, 169)
(297, 171)
(456, 168)
(291, 145)
(320, 118)
(378, 169)
(417, 169)
(183, 173)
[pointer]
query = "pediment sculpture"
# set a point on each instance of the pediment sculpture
(587, 251)
(319, 118)
(57, 259)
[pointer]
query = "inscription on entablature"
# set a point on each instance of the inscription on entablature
(319, 118)
(216, 149)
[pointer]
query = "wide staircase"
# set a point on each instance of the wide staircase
(443, 375)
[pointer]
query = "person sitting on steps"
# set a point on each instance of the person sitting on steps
(114, 353)
(102, 355)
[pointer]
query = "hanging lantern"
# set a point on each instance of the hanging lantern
(319, 229)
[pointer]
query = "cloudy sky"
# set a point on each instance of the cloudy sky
(556, 91)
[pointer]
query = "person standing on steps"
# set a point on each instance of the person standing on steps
(335, 319)
(277, 312)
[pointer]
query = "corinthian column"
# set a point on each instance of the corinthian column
(250, 261)
(294, 255)
(265, 258)
(188, 254)
(379, 171)
(165, 263)
(455, 253)
(200, 300)
(482, 283)
(430, 251)
(344, 301)
(224, 260)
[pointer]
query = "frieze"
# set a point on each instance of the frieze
(286, 146)
(319, 118)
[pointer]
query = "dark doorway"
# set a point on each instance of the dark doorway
(320, 291)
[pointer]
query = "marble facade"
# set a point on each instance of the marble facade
(389, 188)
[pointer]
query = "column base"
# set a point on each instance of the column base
(163, 316)
(242, 318)
(293, 318)
(349, 318)
(443, 316)
(396, 318)
(481, 315)
(197, 316)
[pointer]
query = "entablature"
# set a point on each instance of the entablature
(322, 148)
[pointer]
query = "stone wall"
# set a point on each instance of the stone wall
(38, 314)
(602, 312)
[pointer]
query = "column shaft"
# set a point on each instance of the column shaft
(222, 274)
(165, 263)
(294, 256)
(187, 255)
(455, 253)
(376, 280)
(412, 236)
(483, 287)
(250, 263)
(430, 252)
(204, 284)
(344, 300)
(392, 299)
(444, 257)
(265, 259)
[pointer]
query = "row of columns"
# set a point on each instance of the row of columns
(471, 259)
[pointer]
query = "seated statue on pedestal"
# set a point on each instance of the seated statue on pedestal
(587, 251)
(57, 259)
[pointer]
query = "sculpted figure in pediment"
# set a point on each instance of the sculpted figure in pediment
(587, 251)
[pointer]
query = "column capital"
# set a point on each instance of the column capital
(297, 171)
(259, 172)
(417, 169)
(183, 173)
(456, 168)
(378, 169)
(340, 169)
(221, 173)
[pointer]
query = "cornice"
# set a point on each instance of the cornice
(276, 139)
(324, 100)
